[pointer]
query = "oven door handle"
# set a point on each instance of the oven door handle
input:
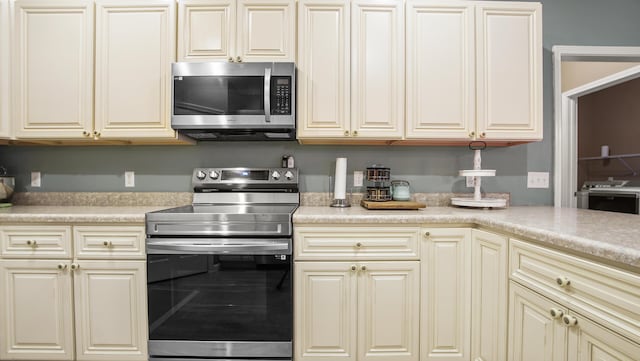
(219, 246)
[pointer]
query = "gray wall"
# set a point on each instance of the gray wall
(429, 169)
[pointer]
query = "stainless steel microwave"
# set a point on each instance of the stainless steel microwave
(234, 101)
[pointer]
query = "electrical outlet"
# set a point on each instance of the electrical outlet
(358, 178)
(538, 180)
(129, 179)
(36, 179)
(471, 181)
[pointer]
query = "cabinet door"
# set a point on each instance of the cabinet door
(323, 69)
(445, 318)
(388, 309)
(440, 70)
(135, 46)
(206, 29)
(53, 68)
(377, 69)
(266, 30)
(4, 69)
(111, 312)
(325, 311)
(36, 314)
(509, 56)
(596, 343)
(534, 335)
(489, 279)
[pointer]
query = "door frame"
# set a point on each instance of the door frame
(566, 109)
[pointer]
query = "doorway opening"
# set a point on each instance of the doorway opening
(566, 109)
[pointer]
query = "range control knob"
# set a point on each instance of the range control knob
(201, 175)
(213, 174)
(275, 175)
(288, 175)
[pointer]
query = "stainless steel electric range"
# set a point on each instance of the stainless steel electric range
(219, 271)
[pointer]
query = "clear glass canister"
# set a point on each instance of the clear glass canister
(400, 190)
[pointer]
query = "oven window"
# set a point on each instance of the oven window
(219, 95)
(220, 298)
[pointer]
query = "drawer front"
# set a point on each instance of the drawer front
(100, 242)
(332, 242)
(607, 295)
(35, 241)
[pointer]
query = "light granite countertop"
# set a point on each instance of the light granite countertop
(608, 236)
(75, 214)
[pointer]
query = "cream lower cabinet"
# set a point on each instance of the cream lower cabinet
(91, 306)
(564, 307)
(445, 287)
(356, 293)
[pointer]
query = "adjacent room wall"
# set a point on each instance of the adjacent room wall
(429, 169)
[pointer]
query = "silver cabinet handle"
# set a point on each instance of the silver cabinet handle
(556, 313)
(563, 281)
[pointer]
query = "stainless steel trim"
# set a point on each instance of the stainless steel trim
(247, 197)
(267, 95)
(212, 349)
(248, 246)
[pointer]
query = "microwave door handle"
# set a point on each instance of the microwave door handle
(267, 95)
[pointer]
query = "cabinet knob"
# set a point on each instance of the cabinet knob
(483, 134)
(358, 245)
(472, 134)
(86, 134)
(363, 268)
(230, 59)
(346, 133)
(31, 243)
(62, 266)
(556, 313)
(569, 320)
(96, 133)
(107, 243)
(427, 234)
(238, 59)
(563, 281)
(355, 133)
(75, 266)
(353, 267)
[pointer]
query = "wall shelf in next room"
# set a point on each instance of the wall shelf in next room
(619, 157)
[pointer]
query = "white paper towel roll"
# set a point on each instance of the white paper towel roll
(340, 187)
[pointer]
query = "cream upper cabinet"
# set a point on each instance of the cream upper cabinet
(36, 312)
(236, 30)
(110, 310)
(135, 46)
(445, 315)
(350, 70)
(440, 69)
(377, 69)
(52, 95)
(509, 75)
(5, 70)
(323, 69)
(489, 279)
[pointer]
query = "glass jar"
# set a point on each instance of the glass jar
(400, 190)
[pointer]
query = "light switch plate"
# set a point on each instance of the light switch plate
(129, 179)
(36, 179)
(470, 181)
(538, 180)
(358, 178)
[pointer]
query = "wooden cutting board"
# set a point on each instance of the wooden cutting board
(392, 205)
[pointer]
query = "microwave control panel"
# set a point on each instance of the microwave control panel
(281, 95)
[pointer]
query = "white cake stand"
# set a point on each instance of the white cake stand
(477, 173)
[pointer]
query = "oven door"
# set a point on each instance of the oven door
(623, 202)
(220, 298)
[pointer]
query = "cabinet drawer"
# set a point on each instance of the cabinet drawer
(35, 241)
(607, 295)
(335, 242)
(99, 242)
